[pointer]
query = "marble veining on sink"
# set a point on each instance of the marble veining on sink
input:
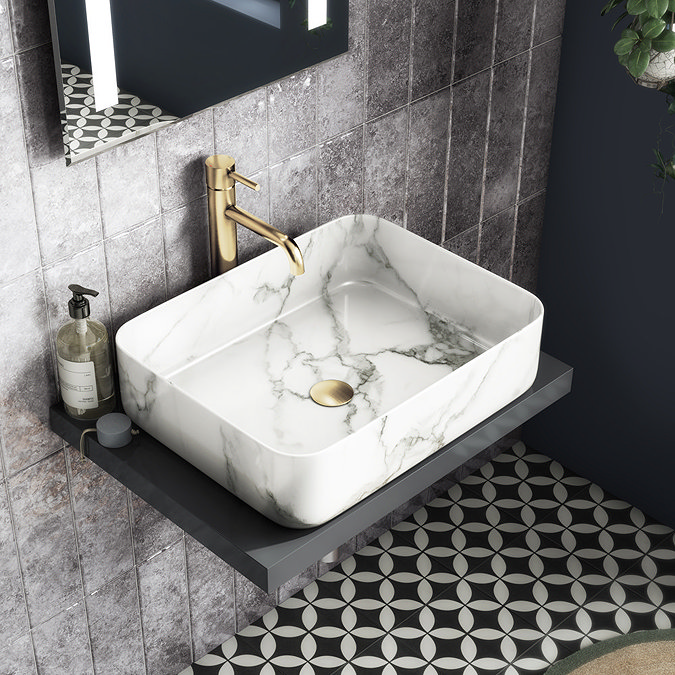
(430, 343)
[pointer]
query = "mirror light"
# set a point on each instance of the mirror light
(102, 50)
(317, 13)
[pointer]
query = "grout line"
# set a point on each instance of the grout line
(187, 598)
(12, 522)
(71, 499)
(448, 148)
(487, 134)
(523, 135)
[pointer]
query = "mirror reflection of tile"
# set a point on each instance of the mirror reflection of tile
(85, 128)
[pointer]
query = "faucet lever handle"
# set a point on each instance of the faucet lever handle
(244, 181)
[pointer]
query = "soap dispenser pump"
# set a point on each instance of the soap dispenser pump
(84, 363)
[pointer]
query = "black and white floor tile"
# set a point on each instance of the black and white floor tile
(85, 128)
(514, 568)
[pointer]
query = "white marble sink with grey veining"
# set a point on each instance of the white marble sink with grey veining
(431, 344)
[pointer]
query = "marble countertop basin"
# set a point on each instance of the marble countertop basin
(431, 344)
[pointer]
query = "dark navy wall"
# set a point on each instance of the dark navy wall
(607, 275)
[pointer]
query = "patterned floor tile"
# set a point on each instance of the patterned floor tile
(520, 476)
(388, 579)
(459, 632)
(514, 568)
(608, 532)
(611, 612)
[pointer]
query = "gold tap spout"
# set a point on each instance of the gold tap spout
(271, 234)
(224, 214)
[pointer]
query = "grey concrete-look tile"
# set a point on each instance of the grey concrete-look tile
(384, 166)
(514, 28)
(528, 241)
(357, 22)
(475, 31)
(30, 23)
(181, 150)
(101, 522)
(18, 237)
(249, 244)
(251, 602)
(186, 247)
(539, 122)
(549, 20)
(62, 644)
(27, 378)
(150, 529)
(13, 611)
(86, 269)
(433, 26)
(40, 105)
(240, 126)
(115, 627)
(6, 46)
(505, 135)
(496, 242)
(467, 153)
(291, 114)
(164, 611)
(408, 508)
(373, 531)
(128, 184)
(136, 271)
(297, 583)
(46, 538)
(17, 657)
(66, 208)
(293, 194)
(340, 93)
(465, 244)
(388, 57)
(341, 176)
(427, 161)
(211, 593)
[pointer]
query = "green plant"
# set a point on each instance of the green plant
(648, 29)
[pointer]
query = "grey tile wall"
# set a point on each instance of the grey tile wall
(438, 118)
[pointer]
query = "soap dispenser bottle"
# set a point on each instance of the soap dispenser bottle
(84, 364)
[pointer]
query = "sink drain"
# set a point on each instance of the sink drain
(331, 393)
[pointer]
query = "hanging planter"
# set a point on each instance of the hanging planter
(646, 49)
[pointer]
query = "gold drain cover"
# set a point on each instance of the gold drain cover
(331, 393)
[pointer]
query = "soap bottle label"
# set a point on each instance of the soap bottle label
(78, 383)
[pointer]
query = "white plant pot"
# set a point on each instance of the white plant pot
(661, 66)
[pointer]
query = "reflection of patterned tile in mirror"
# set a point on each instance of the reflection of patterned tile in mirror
(85, 129)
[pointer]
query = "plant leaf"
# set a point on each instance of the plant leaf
(653, 28)
(622, 16)
(630, 33)
(645, 45)
(671, 5)
(624, 46)
(665, 43)
(610, 6)
(637, 63)
(636, 6)
(623, 60)
(656, 8)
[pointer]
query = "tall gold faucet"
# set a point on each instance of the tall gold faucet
(224, 214)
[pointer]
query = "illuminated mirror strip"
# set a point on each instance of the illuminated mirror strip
(102, 50)
(317, 13)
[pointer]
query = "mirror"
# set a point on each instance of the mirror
(128, 67)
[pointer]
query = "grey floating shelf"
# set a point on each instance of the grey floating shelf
(267, 553)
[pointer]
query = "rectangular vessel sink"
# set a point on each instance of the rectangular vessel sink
(430, 343)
